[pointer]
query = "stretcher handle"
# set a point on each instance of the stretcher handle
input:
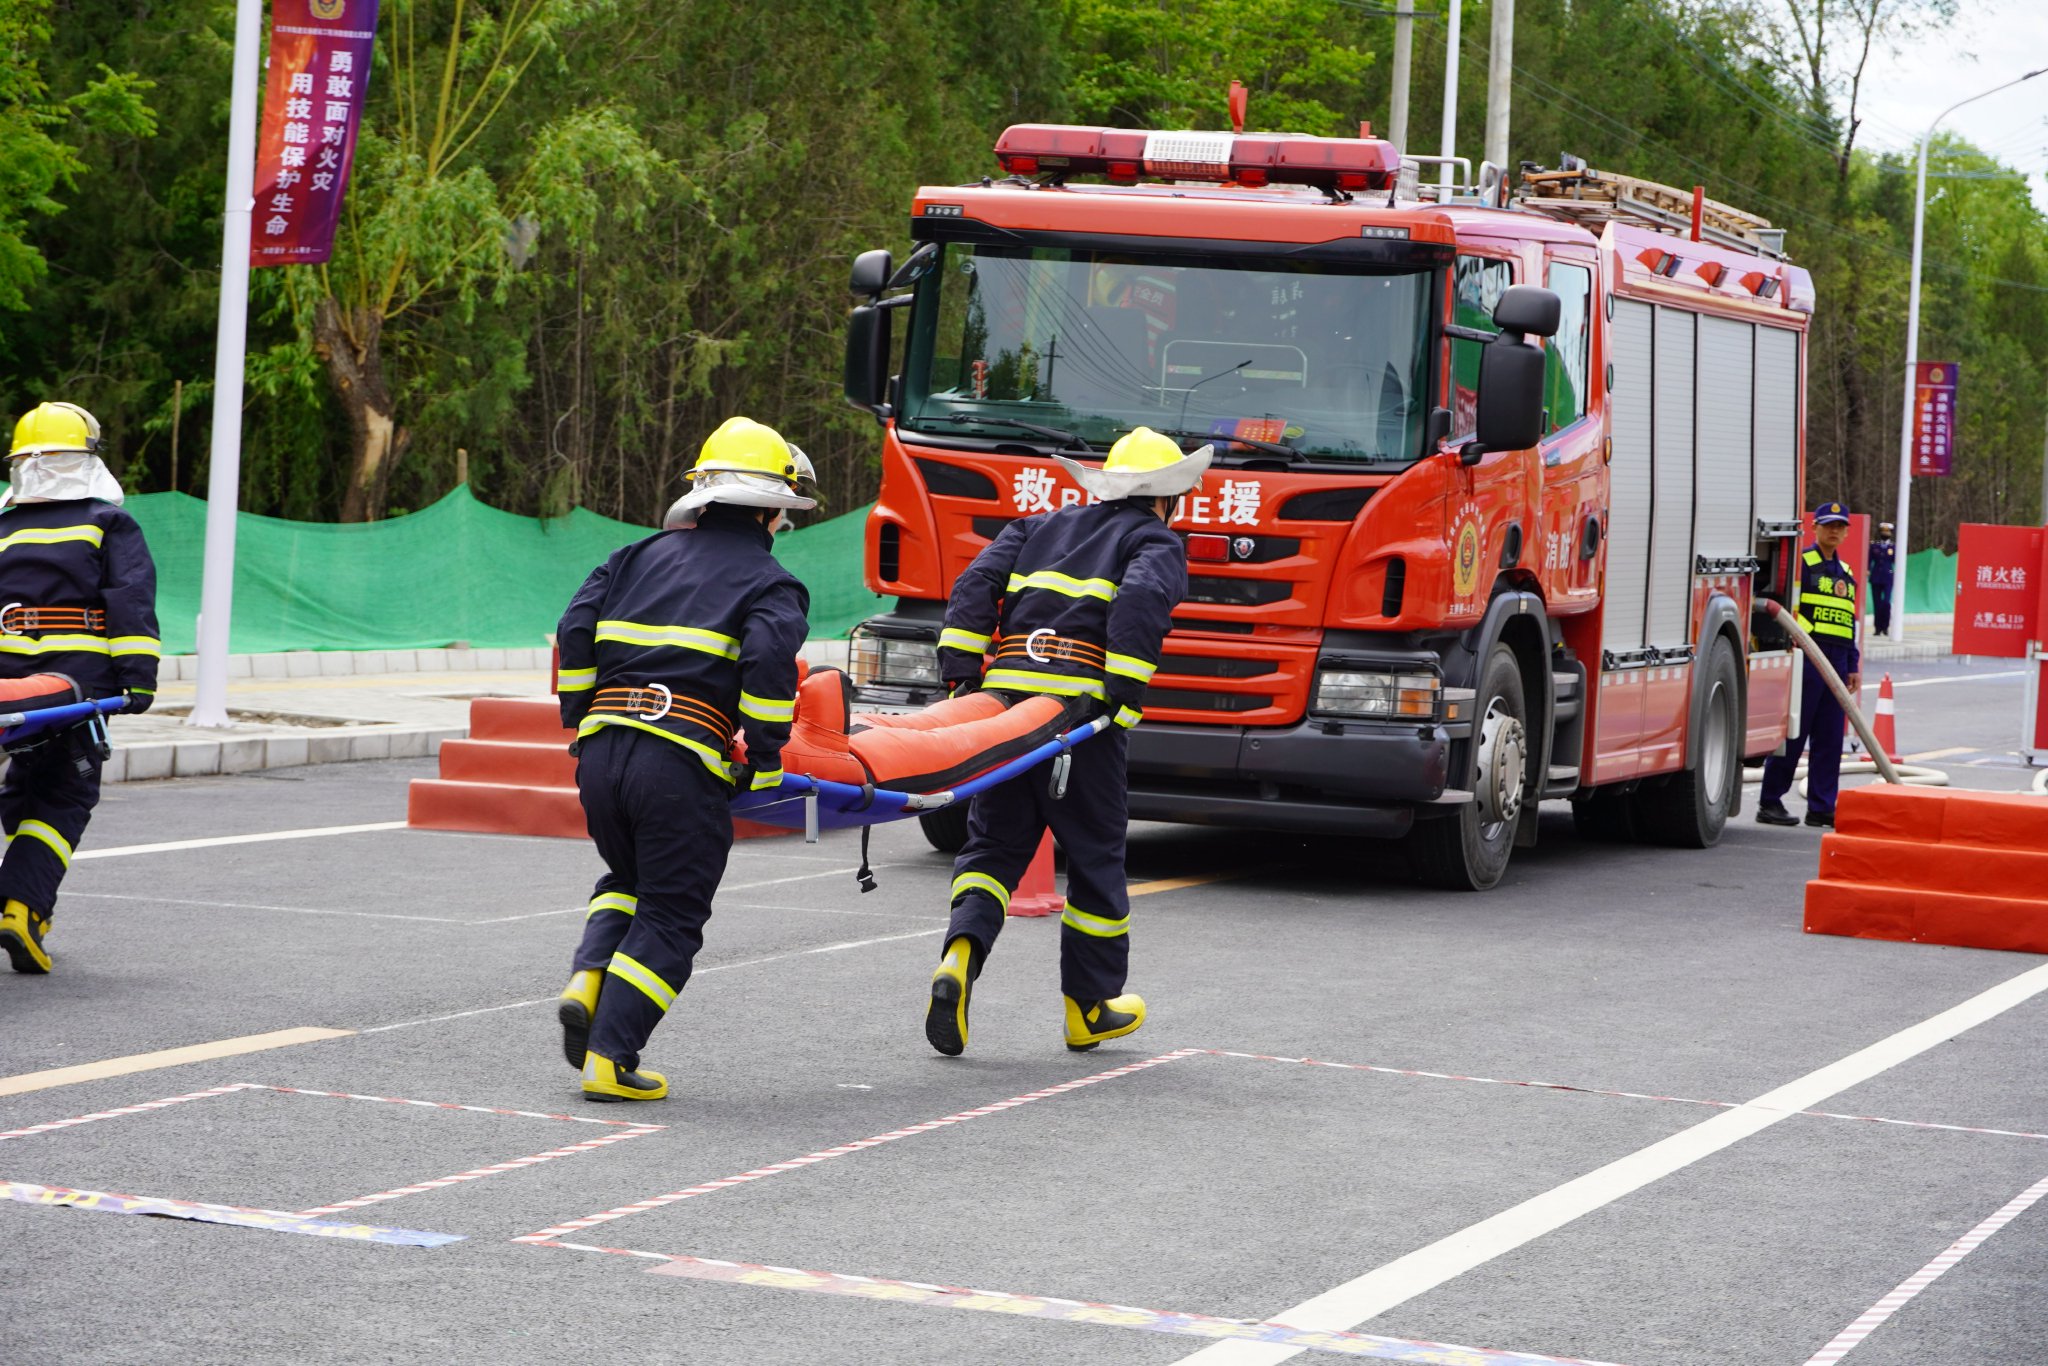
(889, 802)
(1836, 686)
(49, 717)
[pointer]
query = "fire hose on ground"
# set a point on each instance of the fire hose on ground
(1916, 775)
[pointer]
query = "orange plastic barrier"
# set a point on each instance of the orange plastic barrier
(1935, 866)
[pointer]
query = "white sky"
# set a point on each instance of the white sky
(1990, 41)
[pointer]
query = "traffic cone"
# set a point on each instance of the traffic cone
(1035, 894)
(1884, 728)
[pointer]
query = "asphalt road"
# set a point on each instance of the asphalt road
(1228, 1178)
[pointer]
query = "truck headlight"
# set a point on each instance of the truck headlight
(890, 661)
(1378, 695)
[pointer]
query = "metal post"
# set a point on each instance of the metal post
(1901, 527)
(1404, 51)
(1500, 64)
(224, 477)
(1450, 138)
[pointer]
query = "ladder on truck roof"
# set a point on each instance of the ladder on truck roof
(1577, 193)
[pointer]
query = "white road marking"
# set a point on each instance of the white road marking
(1356, 1301)
(1949, 678)
(294, 910)
(1928, 756)
(716, 967)
(1893, 1302)
(216, 841)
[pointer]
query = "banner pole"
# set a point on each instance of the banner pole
(224, 475)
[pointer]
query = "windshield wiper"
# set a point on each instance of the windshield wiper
(1050, 433)
(1269, 447)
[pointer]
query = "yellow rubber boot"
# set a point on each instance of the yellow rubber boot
(1089, 1024)
(605, 1080)
(21, 934)
(578, 1006)
(945, 1019)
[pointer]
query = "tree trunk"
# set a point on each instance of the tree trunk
(348, 342)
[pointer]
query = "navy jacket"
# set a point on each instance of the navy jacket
(1827, 607)
(708, 614)
(1883, 557)
(1073, 602)
(78, 554)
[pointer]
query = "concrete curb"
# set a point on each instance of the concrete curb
(346, 663)
(247, 754)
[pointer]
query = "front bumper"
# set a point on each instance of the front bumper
(1319, 776)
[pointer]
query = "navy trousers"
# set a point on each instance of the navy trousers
(1820, 735)
(1881, 607)
(1004, 827)
(663, 825)
(45, 804)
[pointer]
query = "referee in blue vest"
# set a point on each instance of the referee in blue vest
(1827, 609)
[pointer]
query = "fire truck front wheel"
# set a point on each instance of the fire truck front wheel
(1469, 851)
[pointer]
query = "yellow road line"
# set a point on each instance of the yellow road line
(168, 1057)
(1936, 754)
(1174, 884)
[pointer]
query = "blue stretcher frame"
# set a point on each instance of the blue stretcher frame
(20, 725)
(805, 803)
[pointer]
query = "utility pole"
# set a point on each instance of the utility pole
(1500, 65)
(1447, 173)
(1898, 631)
(1404, 52)
(224, 476)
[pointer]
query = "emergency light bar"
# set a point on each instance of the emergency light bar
(1124, 155)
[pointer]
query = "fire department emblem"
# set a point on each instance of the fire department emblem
(1465, 560)
(328, 10)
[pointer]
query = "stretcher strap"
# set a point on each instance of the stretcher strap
(16, 619)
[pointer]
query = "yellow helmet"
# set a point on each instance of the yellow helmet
(1142, 464)
(50, 428)
(746, 464)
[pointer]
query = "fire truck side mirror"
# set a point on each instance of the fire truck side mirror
(871, 272)
(1528, 309)
(867, 359)
(1510, 416)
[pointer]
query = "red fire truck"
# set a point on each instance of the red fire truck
(1496, 478)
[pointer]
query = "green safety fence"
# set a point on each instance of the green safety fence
(455, 571)
(1930, 581)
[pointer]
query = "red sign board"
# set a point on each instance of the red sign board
(1934, 416)
(1998, 589)
(319, 71)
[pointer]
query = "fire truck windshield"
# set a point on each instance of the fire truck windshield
(1327, 360)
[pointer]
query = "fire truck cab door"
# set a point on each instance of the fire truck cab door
(1568, 558)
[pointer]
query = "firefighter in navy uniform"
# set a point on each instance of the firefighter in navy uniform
(1073, 603)
(80, 594)
(670, 646)
(1827, 609)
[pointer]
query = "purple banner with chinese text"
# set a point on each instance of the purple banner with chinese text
(312, 103)
(1934, 416)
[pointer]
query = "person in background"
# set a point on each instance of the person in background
(1827, 609)
(80, 589)
(1884, 553)
(671, 646)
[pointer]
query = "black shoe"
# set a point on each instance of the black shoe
(1774, 813)
(1824, 819)
(945, 1019)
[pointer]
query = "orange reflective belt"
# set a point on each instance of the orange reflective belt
(1044, 648)
(16, 619)
(659, 704)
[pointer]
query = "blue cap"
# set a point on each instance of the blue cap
(1831, 514)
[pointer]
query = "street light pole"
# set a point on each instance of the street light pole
(1904, 517)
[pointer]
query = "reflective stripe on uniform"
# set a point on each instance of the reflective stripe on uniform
(1095, 925)
(681, 637)
(981, 882)
(628, 969)
(1128, 717)
(136, 645)
(37, 830)
(1030, 680)
(55, 535)
(766, 779)
(575, 680)
(767, 708)
(613, 901)
(52, 645)
(953, 638)
(1065, 585)
(1129, 667)
(713, 760)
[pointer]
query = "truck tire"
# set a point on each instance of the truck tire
(946, 828)
(1689, 810)
(1469, 851)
